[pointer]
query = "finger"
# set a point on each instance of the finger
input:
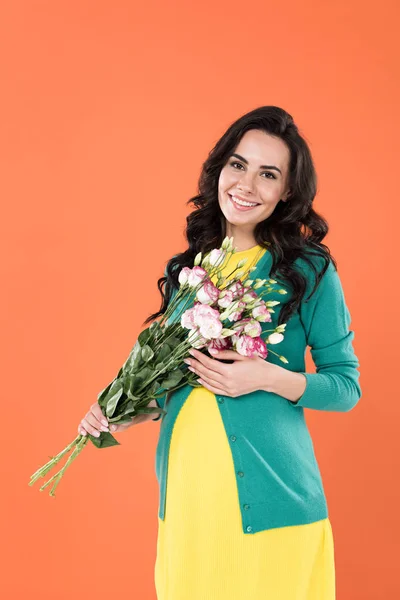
(90, 417)
(89, 428)
(228, 354)
(210, 363)
(212, 376)
(211, 387)
(96, 410)
(82, 430)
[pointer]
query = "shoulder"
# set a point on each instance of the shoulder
(319, 270)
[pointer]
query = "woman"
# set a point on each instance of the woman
(242, 512)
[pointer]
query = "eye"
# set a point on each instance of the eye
(233, 163)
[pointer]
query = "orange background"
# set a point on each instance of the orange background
(108, 110)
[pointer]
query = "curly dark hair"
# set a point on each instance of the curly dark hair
(293, 229)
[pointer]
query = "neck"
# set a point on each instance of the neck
(242, 240)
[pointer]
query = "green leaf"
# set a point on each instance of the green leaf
(153, 388)
(105, 440)
(132, 397)
(133, 361)
(104, 393)
(155, 328)
(147, 353)
(144, 336)
(172, 379)
(173, 341)
(143, 375)
(164, 352)
(127, 383)
(114, 395)
(151, 409)
(127, 419)
(130, 407)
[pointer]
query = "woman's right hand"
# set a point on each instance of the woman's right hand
(92, 422)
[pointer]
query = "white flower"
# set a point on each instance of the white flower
(183, 275)
(275, 338)
(216, 256)
(211, 328)
(196, 340)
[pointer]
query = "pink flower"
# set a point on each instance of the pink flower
(252, 328)
(261, 347)
(240, 325)
(207, 319)
(204, 310)
(196, 275)
(237, 289)
(235, 316)
(246, 345)
(183, 275)
(249, 294)
(208, 293)
(220, 344)
(261, 313)
(187, 319)
(225, 298)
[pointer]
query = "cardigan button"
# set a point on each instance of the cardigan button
(240, 473)
(246, 506)
(233, 438)
(249, 528)
(220, 400)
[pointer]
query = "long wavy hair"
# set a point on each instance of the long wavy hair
(293, 229)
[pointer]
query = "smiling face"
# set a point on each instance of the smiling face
(256, 172)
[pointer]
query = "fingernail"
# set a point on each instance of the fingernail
(104, 428)
(213, 351)
(104, 422)
(97, 433)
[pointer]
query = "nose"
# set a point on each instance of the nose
(246, 183)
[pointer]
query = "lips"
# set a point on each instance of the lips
(242, 199)
(240, 206)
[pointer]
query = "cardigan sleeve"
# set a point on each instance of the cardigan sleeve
(160, 403)
(326, 321)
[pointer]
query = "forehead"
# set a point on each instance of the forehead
(261, 148)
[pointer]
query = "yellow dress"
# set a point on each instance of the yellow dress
(202, 552)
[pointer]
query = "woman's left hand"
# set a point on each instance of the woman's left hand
(246, 374)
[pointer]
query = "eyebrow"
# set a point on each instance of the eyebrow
(261, 166)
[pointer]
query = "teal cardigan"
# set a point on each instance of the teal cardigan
(277, 476)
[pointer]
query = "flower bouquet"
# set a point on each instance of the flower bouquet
(225, 315)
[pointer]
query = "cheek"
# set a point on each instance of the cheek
(271, 195)
(226, 180)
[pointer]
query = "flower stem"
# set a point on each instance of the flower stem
(57, 477)
(43, 470)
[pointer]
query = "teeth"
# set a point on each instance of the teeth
(242, 203)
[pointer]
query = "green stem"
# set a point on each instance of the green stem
(43, 470)
(57, 477)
